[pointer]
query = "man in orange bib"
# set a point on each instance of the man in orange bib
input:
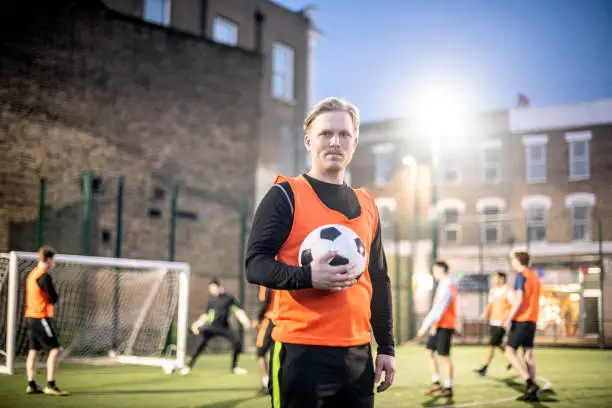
(500, 302)
(440, 323)
(522, 321)
(40, 297)
(323, 313)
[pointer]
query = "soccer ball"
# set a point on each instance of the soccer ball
(334, 237)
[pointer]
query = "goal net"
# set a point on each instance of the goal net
(109, 309)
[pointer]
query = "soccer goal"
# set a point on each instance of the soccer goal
(109, 310)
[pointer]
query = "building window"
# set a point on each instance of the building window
(282, 72)
(225, 31)
(535, 158)
(288, 150)
(491, 225)
(491, 165)
(384, 155)
(581, 216)
(157, 11)
(449, 210)
(536, 223)
(579, 166)
(580, 206)
(450, 226)
(449, 170)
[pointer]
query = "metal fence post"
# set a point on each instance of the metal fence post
(118, 243)
(398, 293)
(172, 253)
(602, 332)
(87, 199)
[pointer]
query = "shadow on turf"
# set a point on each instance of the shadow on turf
(225, 404)
(433, 402)
(519, 386)
(165, 391)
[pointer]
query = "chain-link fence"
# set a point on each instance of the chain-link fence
(571, 253)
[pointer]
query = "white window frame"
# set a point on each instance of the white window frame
(167, 5)
(286, 73)
(491, 202)
(579, 137)
(536, 201)
(225, 31)
(441, 208)
(383, 163)
(530, 141)
(494, 144)
(580, 200)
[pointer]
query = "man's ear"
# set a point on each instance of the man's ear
(307, 141)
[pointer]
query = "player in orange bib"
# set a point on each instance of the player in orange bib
(440, 323)
(500, 302)
(42, 334)
(323, 314)
(522, 321)
(265, 324)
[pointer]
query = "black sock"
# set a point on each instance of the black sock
(50, 383)
(529, 383)
(32, 383)
(484, 367)
(235, 359)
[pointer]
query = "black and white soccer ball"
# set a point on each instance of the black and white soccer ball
(337, 237)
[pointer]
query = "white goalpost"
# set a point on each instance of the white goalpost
(110, 310)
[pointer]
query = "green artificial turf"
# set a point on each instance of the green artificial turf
(579, 378)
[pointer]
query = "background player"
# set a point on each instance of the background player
(40, 298)
(215, 322)
(500, 302)
(522, 322)
(264, 333)
(440, 322)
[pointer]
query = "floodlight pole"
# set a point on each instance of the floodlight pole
(433, 213)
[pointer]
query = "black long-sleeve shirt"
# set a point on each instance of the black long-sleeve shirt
(271, 226)
(46, 284)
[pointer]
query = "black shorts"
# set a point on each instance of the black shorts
(208, 333)
(521, 334)
(42, 334)
(496, 334)
(441, 341)
(303, 376)
(264, 337)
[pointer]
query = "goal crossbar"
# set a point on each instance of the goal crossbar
(159, 270)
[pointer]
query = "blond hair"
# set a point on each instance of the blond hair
(45, 253)
(333, 104)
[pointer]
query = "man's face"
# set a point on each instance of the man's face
(213, 289)
(50, 263)
(438, 273)
(516, 265)
(499, 281)
(331, 141)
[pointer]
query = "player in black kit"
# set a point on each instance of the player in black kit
(215, 322)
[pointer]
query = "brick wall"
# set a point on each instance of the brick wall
(84, 88)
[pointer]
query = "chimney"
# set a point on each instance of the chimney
(522, 101)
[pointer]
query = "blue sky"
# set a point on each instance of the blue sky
(377, 53)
